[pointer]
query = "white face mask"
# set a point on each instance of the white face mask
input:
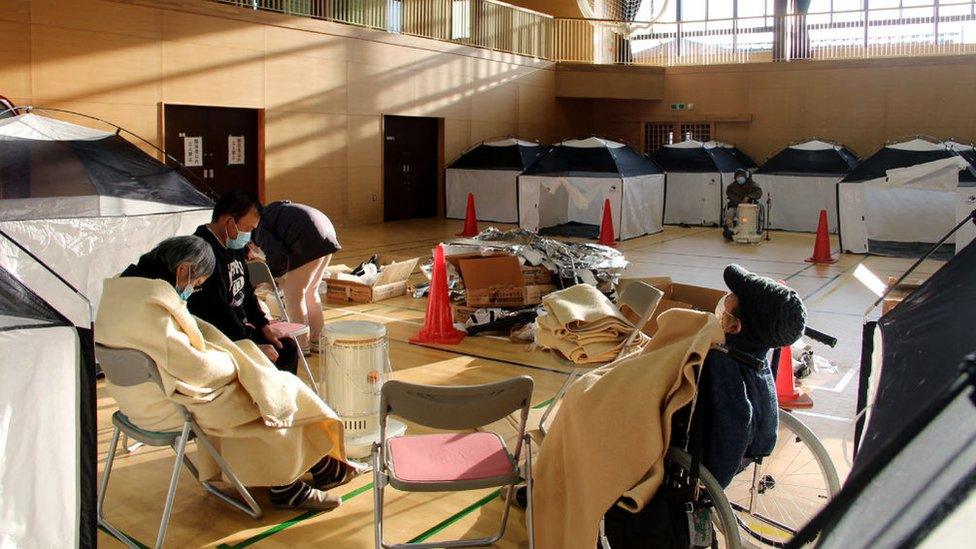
(740, 180)
(721, 312)
(720, 307)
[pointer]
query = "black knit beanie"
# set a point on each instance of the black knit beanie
(772, 313)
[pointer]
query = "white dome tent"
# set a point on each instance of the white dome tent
(48, 453)
(489, 171)
(696, 176)
(801, 180)
(87, 202)
(571, 180)
(903, 199)
(965, 196)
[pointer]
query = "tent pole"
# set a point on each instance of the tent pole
(887, 453)
(118, 129)
(970, 217)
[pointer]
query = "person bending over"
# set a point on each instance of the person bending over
(739, 398)
(267, 425)
(227, 298)
(298, 241)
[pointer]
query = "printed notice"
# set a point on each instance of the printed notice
(192, 151)
(235, 149)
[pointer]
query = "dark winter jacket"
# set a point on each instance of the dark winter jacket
(737, 194)
(742, 413)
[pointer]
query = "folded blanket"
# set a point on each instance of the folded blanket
(581, 324)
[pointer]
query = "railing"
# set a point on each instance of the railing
(941, 29)
(938, 29)
(483, 23)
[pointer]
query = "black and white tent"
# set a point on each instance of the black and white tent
(736, 152)
(913, 475)
(48, 436)
(903, 198)
(490, 172)
(965, 195)
(697, 174)
(87, 202)
(801, 180)
(571, 180)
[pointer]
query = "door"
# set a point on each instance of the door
(410, 157)
(218, 145)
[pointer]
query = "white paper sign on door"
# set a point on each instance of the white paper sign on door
(192, 151)
(235, 149)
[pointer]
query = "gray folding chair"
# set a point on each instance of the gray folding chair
(479, 459)
(129, 367)
(259, 273)
(641, 299)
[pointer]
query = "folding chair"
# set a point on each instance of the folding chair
(129, 367)
(259, 273)
(478, 460)
(642, 299)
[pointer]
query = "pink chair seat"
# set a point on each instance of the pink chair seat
(289, 327)
(449, 457)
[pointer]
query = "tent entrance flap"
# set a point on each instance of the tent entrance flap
(495, 194)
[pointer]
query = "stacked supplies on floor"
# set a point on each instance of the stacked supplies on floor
(581, 324)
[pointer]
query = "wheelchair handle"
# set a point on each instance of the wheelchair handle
(820, 337)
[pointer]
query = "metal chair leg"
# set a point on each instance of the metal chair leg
(252, 509)
(378, 485)
(308, 372)
(559, 395)
(530, 518)
(103, 488)
(174, 482)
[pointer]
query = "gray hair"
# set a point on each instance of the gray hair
(177, 250)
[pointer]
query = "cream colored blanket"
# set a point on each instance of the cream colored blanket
(612, 430)
(269, 426)
(584, 326)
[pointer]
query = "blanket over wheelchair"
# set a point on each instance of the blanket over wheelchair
(612, 430)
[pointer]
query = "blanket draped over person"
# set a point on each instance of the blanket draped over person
(267, 424)
(609, 438)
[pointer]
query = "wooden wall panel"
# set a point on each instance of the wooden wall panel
(324, 86)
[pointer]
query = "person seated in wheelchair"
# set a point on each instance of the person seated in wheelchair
(737, 391)
(268, 426)
(742, 190)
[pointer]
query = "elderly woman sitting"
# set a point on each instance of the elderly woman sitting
(269, 427)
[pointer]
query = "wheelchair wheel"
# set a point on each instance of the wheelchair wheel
(774, 498)
(726, 529)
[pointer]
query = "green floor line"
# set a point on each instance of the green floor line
(456, 517)
(126, 534)
(292, 521)
(305, 516)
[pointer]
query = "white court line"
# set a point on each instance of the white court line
(823, 416)
(414, 322)
(841, 384)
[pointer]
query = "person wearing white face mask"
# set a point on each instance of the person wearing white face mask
(742, 190)
(739, 399)
(227, 298)
(268, 425)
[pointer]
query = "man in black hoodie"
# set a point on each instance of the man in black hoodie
(227, 298)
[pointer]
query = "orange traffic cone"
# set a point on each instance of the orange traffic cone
(786, 392)
(821, 248)
(606, 227)
(438, 321)
(470, 219)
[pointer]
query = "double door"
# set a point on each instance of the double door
(218, 145)
(410, 167)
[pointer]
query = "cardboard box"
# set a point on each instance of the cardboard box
(676, 296)
(392, 282)
(900, 292)
(499, 281)
(460, 313)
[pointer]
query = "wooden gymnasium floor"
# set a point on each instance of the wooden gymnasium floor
(836, 302)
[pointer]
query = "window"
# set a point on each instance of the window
(656, 135)
(696, 131)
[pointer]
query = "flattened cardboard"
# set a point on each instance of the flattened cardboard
(676, 296)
